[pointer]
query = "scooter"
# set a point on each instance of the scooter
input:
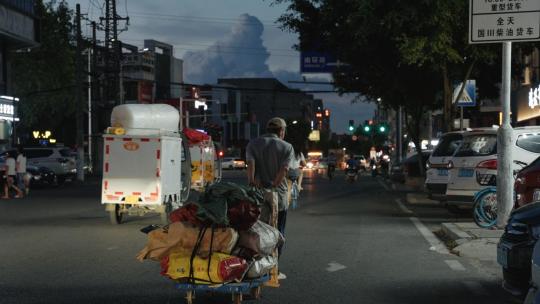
(374, 170)
(351, 174)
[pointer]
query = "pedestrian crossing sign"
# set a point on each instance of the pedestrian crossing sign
(468, 96)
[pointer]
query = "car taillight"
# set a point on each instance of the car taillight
(488, 164)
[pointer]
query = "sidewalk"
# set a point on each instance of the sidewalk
(468, 240)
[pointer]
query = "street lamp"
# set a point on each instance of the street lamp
(295, 122)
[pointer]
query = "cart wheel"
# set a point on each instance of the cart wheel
(237, 298)
(190, 295)
(115, 215)
(255, 292)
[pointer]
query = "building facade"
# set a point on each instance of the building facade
(19, 29)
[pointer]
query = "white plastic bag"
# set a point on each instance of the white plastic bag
(262, 266)
(261, 238)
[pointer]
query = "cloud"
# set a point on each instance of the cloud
(240, 53)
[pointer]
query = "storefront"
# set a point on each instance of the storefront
(526, 105)
(8, 119)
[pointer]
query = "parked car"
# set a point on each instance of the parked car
(41, 176)
(57, 159)
(233, 163)
(527, 185)
(396, 173)
(439, 163)
(515, 248)
(474, 166)
(411, 167)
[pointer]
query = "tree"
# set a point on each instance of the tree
(44, 76)
(408, 53)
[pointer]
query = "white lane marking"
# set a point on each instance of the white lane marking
(402, 206)
(436, 245)
(455, 265)
(112, 248)
(335, 266)
(385, 186)
(476, 288)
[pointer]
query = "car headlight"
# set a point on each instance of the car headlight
(37, 177)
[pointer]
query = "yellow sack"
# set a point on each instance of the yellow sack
(223, 268)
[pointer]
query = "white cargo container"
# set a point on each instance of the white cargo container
(142, 167)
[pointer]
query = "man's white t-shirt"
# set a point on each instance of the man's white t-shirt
(10, 164)
(21, 161)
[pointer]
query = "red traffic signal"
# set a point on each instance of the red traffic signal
(220, 154)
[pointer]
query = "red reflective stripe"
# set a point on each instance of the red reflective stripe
(107, 149)
(145, 139)
(136, 193)
(109, 138)
(106, 184)
(119, 193)
(158, 156)
(157, 172)
(106, 167)
(127, 139)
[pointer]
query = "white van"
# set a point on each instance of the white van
(474, 166)
(439, 162)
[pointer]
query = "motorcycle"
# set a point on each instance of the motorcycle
(351, 174)
(373, 170)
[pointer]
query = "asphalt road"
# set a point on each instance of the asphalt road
(346, 243)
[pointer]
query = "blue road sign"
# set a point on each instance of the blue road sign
(317, 62)
(468, 97)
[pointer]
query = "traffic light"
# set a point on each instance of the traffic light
(366, 129)
(382, 128)
(351, 125)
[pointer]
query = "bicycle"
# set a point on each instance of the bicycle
(485, 201)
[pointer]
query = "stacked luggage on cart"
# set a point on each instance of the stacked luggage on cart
(226, 242)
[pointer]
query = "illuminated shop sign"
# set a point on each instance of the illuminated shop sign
(534, 97)
(7, 108)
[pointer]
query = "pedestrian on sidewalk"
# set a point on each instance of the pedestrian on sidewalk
(269, 158)
(22, 181)
(11, 176)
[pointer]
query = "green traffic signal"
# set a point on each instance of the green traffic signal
(351, 128)
(382, 129)
(367, 129)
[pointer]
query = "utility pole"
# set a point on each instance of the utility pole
(504, 144)
(78, 94)
(113, 52)
(399, 136)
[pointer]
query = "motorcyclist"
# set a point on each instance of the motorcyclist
(331, 164)
(373, 166)
(352, 164)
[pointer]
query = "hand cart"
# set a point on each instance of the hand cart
(237, 290)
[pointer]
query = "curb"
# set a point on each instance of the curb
(455, 233)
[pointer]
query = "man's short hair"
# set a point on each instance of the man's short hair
(275, 124)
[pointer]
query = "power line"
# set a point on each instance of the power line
(228, 47)
(164, 17)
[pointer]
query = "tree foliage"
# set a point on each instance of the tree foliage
(43, 77)
(408, 53)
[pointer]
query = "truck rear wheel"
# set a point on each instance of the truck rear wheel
(115, 215)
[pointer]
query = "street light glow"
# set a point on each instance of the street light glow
(295, 122)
